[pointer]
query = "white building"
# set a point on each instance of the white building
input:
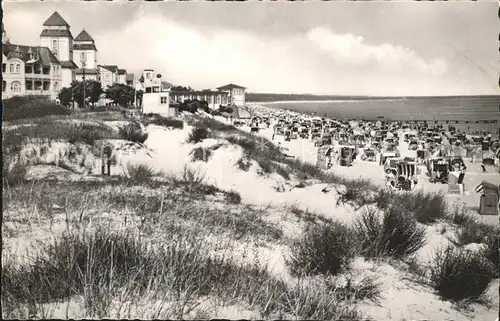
(214, 98)
(236, 94)
(57, 36)
(156, 98)
(108, 75)
(30, 70)
(122, 76)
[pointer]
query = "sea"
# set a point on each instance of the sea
(467, 113)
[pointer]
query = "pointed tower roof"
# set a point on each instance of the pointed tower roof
(56, 20)
(84, 36)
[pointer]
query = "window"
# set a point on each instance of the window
(12, 67)
(56, 86)
(82, 56)
(15, 86)
(163, 100)
(4, 67)
(18, 68)
(54, 44)
(56, 54)
(4, 85)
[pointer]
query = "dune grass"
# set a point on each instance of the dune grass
(393, 233)
(324, 249)
(164, 260)
(21, 107)
(459, 275)
(163, 121)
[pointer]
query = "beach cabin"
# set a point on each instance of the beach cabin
(156, 99)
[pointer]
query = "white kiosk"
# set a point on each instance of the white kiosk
(156, 99)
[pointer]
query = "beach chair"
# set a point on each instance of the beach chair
(368, 155)
(347, 155)
(489, 202)
(413, 145)
(406, 176)
(439, 171)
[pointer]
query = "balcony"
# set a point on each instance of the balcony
(37, 86)
(38, 73)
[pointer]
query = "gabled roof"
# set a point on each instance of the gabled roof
(111, 68)
(84, 46)
(230, 86)
(122, 71)
(84, 36)
(42, 54)
(55, 20)
(68, 64)
(56, 33)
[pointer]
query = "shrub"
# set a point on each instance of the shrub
(49, 130)
(459, 215)
(212, 124)
(357, 193)
(459, 274)
(474, 232)
(396, 234)
(165, 121)
(141, 173)
(133, 132)
(426, 207)
(248, 145)
(324, 249)
(233, 197)
(96, 265)
(20, 107)
(283, 172)
(13, 174)
(197, 135)
(243, 164)
(200, 154)
(309, 303)
(192, 176)
(266, 165)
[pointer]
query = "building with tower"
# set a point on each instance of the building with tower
(85, 56)
(29, 70)
(55, 63)
(57, 36)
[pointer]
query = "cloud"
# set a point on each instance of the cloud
(350, 49)
(317, 60)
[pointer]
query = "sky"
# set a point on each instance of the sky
(344, 48)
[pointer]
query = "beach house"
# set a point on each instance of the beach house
(156, 96)
(214, 98)
(236, 94)
(30, 70)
